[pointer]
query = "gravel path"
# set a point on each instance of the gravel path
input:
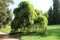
(4, 36)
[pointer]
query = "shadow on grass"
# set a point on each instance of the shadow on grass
(33, 33)
(29, 34)
(54, 32)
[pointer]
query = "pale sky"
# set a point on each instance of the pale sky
(43, 5)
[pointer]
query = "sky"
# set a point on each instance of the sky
(43, 5)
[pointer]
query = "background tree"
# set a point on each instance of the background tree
(50, 16)
(56, 11)
(4, 12)
(54, 14)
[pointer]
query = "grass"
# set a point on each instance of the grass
(53, 33)
(7, 29)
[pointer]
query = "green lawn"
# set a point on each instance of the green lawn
(7, 29)
(53, 33)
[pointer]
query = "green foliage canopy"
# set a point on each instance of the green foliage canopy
(56, 11)
(26, 15)
(5, 16)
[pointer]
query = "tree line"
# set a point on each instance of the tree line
(53, 14)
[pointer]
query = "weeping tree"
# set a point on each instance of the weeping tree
(5, 14)
(25, 16)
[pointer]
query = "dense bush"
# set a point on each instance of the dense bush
(28, 19)
(41, 23)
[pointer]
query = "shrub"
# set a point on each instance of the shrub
(28, 19)
(42, 22)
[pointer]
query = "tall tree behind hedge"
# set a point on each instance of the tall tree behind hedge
(50, 16)
(56, 11)
(4, 12)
